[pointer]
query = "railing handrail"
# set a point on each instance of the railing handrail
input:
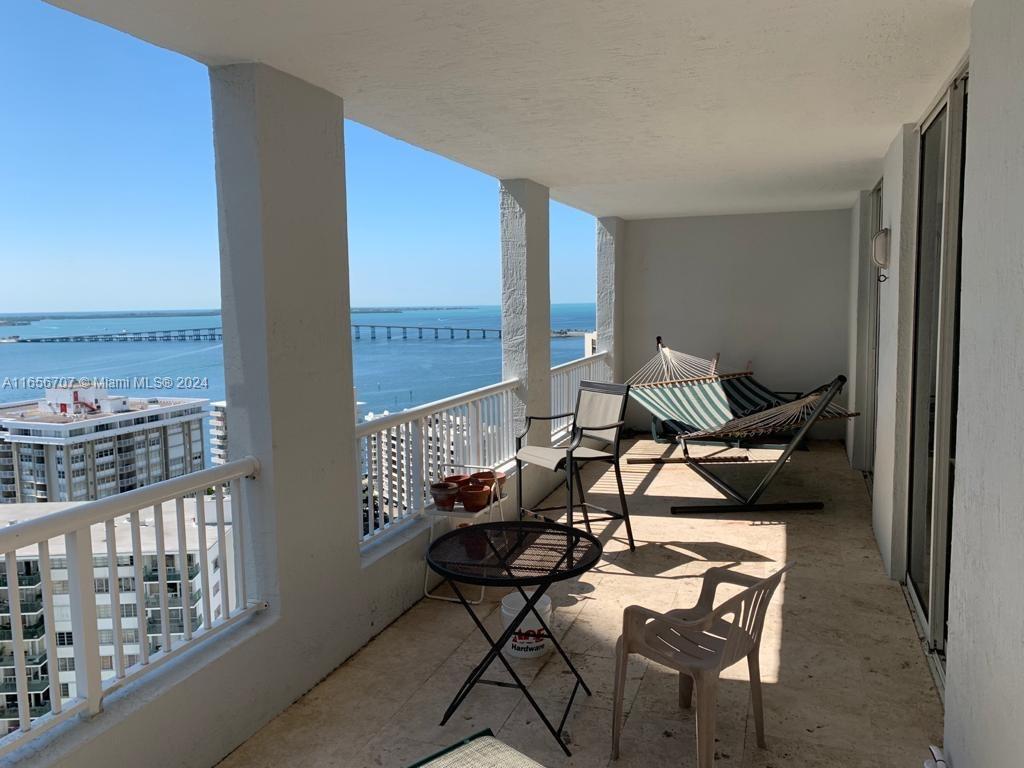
(579, 361)
(30, 532)
(394, 419)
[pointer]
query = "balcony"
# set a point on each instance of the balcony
(35, 685)
(840, 658)
(24, 579)
(32, 632)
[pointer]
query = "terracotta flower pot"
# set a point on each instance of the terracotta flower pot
(445, 495)
(487, 477)
(459, 480)
(474, 497)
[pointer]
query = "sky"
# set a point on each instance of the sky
(108, 198)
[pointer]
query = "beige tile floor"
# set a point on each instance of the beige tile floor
(846, 683)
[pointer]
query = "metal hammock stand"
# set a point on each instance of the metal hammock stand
(705, 405)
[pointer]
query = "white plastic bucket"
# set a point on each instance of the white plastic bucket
(528, 640)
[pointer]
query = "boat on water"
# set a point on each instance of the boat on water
(9, 339)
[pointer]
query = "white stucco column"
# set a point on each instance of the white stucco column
(611, 257)
(287, 349)
(526, 300)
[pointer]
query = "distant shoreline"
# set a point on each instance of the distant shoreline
(23, 318)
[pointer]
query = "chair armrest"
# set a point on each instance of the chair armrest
(578, 431)
(720, 575)
(530, 419)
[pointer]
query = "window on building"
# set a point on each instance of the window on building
(64, 691)
(65, 663)
(106, 637)
(106, 662)
(130, 636)
(65, 638)
(59, 586)
(101, 586)
(128, 610)
(103, 611)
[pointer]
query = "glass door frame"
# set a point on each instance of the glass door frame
(932, 617)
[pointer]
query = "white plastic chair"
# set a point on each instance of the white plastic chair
(699, 643)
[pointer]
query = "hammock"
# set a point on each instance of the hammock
(719, 406)
(689, 395)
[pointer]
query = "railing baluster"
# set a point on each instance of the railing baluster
(475, 438)
(379, 485)
(222, 540)
(237, 523)
(115, 597)
(161, 576)
(48, 626)
(17, 640)
(140, 589)
(84, 631)
(418, 473)
(204, 569)
(184, 591)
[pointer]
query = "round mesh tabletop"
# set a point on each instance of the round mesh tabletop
(522, 553)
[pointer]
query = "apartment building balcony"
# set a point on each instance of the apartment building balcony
(782, 186)
(24, 579)
(174, 601)
(35, 685)
(32, 659)
(840, 659)
(27, 607)
(31, 632)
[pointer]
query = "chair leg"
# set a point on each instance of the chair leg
(583, 499)
(754, 664)
(569, 469)
(707, 692)
(519, 487)
(625, 509)
(619, 695)
(685, 690)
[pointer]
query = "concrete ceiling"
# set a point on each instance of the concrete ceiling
(637, 109)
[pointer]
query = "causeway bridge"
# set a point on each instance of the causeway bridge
(359, 331)
(178, 334)
(422, 331)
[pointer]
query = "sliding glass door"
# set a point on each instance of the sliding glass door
(936, 359)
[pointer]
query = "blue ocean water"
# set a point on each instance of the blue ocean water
(389, 374)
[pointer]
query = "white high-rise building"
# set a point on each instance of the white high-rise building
(219, 432)
(79, 443)
(140, 610)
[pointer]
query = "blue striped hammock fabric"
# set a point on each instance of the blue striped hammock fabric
(733, 405)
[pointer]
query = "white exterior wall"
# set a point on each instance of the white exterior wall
(895, 342)
(769, 288)
(985, 671)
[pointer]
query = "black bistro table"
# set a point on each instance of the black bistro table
(519, 554)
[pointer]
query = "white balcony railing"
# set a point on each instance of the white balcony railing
(90, 530)
(565, 381)
(401, 454)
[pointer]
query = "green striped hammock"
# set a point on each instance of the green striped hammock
(690, 395)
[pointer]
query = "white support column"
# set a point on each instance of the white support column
(287, 346)
(526, 301)
(611, 255)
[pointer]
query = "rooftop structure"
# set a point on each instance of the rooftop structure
(80, 443)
